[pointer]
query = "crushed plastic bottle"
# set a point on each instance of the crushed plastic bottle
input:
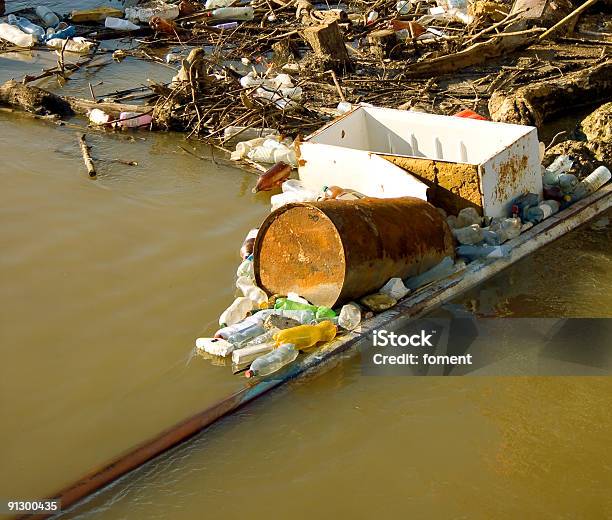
(214, 346)
(441, 270)
(242, 337)
(276, 322)
(241, 326)
(16, 36)
(403, 7)
(306, 336)
(236, 312)
(77, 45)
(395, 288)
(471, 234)
(507, 228)
(273, 361)
(27, 27)
(120, 24)
(48, 17)
(350, 316)
(561, 164)
(545, 209)
(303, 316)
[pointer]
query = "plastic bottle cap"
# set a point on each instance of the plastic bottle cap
(249, 374)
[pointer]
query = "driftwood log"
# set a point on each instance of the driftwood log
(328, 45)
(534, 103)
(89, 164)
(33, 99)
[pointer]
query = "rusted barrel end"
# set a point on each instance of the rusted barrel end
(333, 251)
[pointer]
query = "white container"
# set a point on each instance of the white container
(236, 312)
(233, 13)
(134, 119)
(119, 24)
(372, 150)
(249, 353)
(48, 17)
(251, 291)
(78, 45)
(214, 346)
(16, 36)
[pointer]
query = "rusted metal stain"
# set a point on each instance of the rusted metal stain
(453, 186)
(510, 174)
(337, 250)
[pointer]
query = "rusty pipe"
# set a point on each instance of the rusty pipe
(333, 251)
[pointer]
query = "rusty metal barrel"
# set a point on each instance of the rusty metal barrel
(334, 251)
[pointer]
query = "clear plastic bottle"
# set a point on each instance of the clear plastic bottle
(266, 337)
(560, 165)
(303, 316)
(233, 13)
(236, 312)
(255, 319)
(246, 268)
(468, 235)
(242, 337)
(507, 229)
(48, 17)
(16, 36)
(306, 336)
(350, 316)
(273, 361)
(27, 27)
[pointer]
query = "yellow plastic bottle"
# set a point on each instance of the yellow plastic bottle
(305, 336)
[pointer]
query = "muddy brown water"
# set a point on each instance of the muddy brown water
(105, 284)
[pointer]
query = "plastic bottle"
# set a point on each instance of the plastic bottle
(521, 203)
(567, 182)
(27, 27)
(508, 228)
(597, 179)
(444, 268)
(134, 119)
(468, 235)
(560, 165)
(233, 13)
(226, 27)
(252, 292)
(144, 14)
(120, 24)
(350, 316)
(65, 33)
(48, 17)
(265, 337)
(395, 288)
(468, 217)
(16, 36)
(273, 361)
(305, 336)
(242, 337)
(473, 252)
(77, 45)
(246, 268)
(545, 209)
(291, 305)
(236, 312)
(241, 326)
(403, 7)
(336, 192)
(303, 316)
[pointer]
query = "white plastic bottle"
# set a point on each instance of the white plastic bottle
(78, 45)
(98, 117)
(251, 352)
(16, 36)
(246, 269)
(236, 312)
(273, 361)
(48, 17)
(233, 13)
(119, 24)
(251, 291)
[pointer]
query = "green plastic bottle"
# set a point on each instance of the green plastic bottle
(290, 305)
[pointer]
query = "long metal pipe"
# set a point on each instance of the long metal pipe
(418, 304)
